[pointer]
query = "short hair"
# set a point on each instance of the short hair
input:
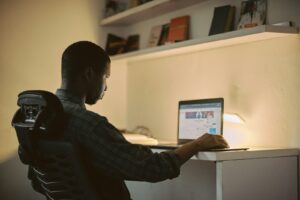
(81, 55)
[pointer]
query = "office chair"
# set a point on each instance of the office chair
(55, 162)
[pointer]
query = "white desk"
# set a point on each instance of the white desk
(255, 174)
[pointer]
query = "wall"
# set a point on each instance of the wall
(201, 15)
(263, 90)
(33, 36)
(245, 75)
(259, 81)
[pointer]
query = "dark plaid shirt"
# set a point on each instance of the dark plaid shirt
(113, 159)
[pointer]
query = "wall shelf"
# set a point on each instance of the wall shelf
(146, 11)
(221, 40)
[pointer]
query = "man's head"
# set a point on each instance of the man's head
(85, 67)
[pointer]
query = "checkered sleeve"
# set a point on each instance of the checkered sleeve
(117, 157)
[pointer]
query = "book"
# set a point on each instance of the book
(179, 29)
(229, 26)
(115, 44)
(253, 13)
(155, 36)
(132, 43)
(223, 20)
(164, 34)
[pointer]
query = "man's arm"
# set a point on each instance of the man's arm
(115, 156)
(205, 142)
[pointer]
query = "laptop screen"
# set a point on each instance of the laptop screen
(197, 117)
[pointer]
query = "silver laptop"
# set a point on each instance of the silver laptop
(197, 117)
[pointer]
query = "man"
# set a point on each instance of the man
(110, 158)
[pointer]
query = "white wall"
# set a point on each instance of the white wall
(33, 35)
(201, 15)
(260, 81)
(263, 89)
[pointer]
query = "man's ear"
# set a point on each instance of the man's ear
(88, 74)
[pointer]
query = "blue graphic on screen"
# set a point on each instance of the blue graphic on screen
(212, 131)
(197, 119)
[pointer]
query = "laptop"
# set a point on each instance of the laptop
(197, 117)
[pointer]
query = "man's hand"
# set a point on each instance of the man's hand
(208, 141)
(205, 142)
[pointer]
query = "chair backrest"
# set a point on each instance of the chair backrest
(39, 123)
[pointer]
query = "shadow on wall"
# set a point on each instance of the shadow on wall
(14, 184)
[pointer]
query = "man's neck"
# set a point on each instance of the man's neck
(76, 91)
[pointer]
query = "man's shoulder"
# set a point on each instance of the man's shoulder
(93, 115)
(87, 114)
(83, 117)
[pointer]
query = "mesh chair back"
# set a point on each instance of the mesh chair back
(56, 163)
(60, 172)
